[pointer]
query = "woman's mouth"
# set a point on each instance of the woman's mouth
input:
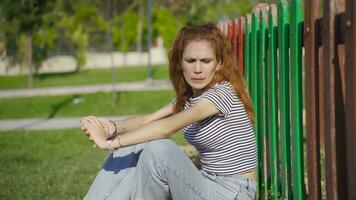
(197, 80)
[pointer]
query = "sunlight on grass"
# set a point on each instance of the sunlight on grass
(92, 76)
(128, 103)
(58, 164)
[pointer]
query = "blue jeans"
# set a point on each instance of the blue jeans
(160, 170)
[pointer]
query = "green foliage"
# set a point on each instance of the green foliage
(22, 51)
(83, 22)
(165, 24)
(80, 41)
(80, 26)
(43, 40)
(124, 28)
(27, 16)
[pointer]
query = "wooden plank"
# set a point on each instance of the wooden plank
(312, 98)
(350, 103)
(241, 43)
(334, 136)
(234, 39)
(230, 30)
(247, 51)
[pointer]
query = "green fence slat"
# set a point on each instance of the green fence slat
(254, 90)
(262, 96)
(283, 90)
(296, 99)
(272, 100)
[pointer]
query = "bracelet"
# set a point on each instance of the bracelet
(118, 141)
(115, 132)
(109, 143)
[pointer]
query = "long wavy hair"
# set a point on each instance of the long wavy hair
(229, 71)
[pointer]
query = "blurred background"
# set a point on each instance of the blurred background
(64, 35)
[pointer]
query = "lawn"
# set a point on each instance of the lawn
(58, 164)
(83, 77)
(128, 103)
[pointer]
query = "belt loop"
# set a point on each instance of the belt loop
(248, 184)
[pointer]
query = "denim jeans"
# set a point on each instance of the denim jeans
(160, 170)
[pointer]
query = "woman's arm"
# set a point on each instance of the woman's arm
(153, 130)
(135, 122)
(122, 126)
(166, 127)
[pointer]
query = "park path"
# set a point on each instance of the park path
(45, 124)
(70, 122)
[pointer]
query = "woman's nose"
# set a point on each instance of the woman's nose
(197, 68)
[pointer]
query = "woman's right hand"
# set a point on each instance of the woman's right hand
(109, 127)
(94, 130)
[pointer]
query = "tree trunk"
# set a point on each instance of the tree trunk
(29, 59)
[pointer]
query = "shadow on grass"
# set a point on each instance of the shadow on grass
(58, 74)
(56, 107)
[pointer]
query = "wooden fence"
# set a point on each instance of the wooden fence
(300, 67)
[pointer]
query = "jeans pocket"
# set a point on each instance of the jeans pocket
(230, 188)
(246, 194)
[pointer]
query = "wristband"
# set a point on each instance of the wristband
(118, 141)
(115, 132)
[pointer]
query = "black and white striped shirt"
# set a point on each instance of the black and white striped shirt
(226, 141)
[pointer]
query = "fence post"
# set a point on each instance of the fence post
(254, 82)
(247, 51)
(350, 102)
(312, 98)
(296, 99)
(272, 100)
(283, 88)
(333, 112)
(240, 43)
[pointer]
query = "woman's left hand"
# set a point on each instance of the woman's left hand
(95, 130)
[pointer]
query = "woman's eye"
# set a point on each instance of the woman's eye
(190, 61)
(206, 61)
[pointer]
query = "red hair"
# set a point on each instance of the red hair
(227, 72)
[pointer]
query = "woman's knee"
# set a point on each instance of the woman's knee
(161, 147)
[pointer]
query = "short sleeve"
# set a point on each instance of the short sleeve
(222, 97)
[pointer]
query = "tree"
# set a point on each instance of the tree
(166, 25)
(25, 17)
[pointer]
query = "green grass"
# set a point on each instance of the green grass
(58, 164)
(94, 76)
(128, 103)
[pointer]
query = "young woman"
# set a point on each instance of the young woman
(212, 105)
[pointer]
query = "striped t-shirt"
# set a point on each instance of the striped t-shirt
(226, 141)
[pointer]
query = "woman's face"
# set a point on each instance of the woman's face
(199, 64)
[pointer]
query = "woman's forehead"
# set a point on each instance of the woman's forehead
(199, 48)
